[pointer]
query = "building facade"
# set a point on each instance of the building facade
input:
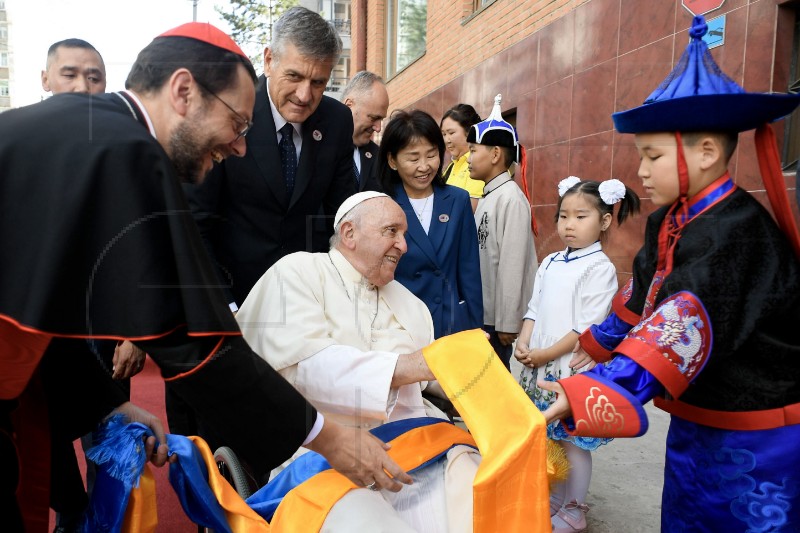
(5, 60)
(563, 67)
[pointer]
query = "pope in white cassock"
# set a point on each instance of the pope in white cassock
(348, 336)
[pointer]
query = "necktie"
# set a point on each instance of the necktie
(288, 157)
(357, 174)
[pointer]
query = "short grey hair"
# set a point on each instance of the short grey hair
(314, 37)
(360, 83)
(354, 216)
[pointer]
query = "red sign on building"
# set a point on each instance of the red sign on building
(701, 7)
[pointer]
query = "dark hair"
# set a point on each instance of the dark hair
(628, 205)
(70, 43)
(464, 114)
(727, 140)
(214, 68)
(403, 128)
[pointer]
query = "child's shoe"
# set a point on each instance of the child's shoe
(564, 522)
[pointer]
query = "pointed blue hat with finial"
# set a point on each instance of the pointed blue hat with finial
(698, 96)
(494, 131)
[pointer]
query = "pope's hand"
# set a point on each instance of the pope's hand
(359, 456)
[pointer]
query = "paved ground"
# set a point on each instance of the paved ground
(627, 474)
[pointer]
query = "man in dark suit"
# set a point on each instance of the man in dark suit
(366, 96)
(281, 197)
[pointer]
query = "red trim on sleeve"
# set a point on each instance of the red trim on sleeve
(594, 348)
(599, 410)
(673, 343)
(618, 304)
(202, 363)
(30, 329)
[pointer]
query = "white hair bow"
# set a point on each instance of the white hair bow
(566, 184)
(611, 191)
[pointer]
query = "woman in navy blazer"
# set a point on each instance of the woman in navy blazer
(441, 266)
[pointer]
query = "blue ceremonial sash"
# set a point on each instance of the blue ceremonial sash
(121, 461)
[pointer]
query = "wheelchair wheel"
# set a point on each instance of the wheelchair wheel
(235, 472)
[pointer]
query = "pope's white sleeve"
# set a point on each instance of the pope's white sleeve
(344, 380)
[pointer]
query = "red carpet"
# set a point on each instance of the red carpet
(147, 391)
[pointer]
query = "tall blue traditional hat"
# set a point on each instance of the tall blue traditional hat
(698, 96)
(494, 131)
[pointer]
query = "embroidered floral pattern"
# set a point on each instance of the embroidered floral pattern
(680, 330)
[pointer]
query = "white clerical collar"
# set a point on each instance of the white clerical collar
(143, 111)
(278, 119)
(348, 271)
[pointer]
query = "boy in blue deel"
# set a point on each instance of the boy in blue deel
(708, 324)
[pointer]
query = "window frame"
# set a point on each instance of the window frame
(392, 23)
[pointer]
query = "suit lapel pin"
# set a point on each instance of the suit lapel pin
(444, 217)
(317, 135)
(368, 155)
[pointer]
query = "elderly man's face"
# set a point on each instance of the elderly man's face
(380, 241)
(74, 70)
(296, 82)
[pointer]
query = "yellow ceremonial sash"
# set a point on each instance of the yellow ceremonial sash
(510, 491)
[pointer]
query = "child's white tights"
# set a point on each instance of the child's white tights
(576, 486)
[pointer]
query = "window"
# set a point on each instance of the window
(3, 32)
(480, 4)
(3, 87)
(791, 139)
(406, 25)
(3, 59)
(339, 76)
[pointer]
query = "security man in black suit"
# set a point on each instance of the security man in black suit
(366, 96)
(298, 167)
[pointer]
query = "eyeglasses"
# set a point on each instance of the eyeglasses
(247, 124)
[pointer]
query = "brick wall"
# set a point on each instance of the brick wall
(457, 39)
(565, 66)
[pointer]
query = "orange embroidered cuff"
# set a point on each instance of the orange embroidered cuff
(600, 408)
